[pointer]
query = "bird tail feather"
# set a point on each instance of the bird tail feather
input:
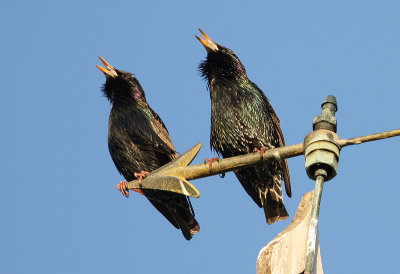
(177, 209)
(187, 223)
(272, 201)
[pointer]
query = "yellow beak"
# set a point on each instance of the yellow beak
(109, 70)
(207, 42)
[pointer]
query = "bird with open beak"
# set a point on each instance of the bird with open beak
(243, 121)
(139, 143)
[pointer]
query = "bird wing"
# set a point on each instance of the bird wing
(284, 164)
(149, 133)
(162, 133)
(254, 133)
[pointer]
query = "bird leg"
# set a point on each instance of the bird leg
(123, 187)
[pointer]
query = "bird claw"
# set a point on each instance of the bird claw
(210, 162)
(261, 150)
(123, 187)
(141, 175)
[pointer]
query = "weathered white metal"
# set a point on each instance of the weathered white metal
(286, 253)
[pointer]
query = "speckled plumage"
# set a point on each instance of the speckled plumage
(242, 119)
(138, 140)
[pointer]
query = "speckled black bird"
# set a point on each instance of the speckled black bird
(139, 141)
(242, 121)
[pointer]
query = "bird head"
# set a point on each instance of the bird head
(221, 62)
(121, 86)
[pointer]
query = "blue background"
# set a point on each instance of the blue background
(60, 211)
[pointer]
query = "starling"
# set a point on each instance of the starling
(243, 121)
(139, 143)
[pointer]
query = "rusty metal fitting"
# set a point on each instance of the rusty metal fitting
(327, 119)
(321, 152)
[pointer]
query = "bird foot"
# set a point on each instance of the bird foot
(123, 187)
(141, 175)
(261, 150)
(210, 161)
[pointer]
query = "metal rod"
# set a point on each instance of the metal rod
(313, 228)
(236, 162)
(232, 163)
(369, 138)
(228, 164)
(220, 166)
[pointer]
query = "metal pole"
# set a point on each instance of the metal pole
(313, 228)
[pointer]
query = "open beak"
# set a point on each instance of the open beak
(109, 70)
(207, 42)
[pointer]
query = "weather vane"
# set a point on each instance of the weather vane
(321, 149)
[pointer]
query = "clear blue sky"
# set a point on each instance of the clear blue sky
(60, 211)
